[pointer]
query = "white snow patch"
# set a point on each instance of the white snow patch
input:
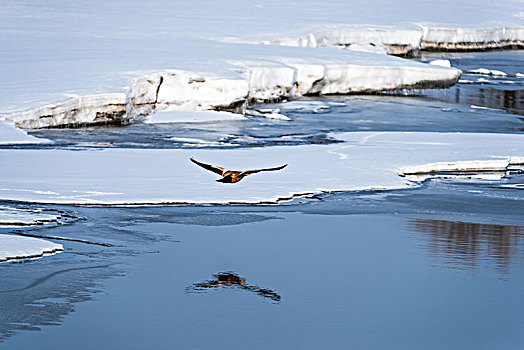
(18, 247)
(365, 160)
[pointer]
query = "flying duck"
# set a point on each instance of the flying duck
(232, 176)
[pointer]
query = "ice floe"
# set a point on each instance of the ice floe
(191, 117)
(17, 247)
(441, 63)
(364, 161)
(268, 113)
(485, 71)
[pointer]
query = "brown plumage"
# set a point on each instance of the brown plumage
(232, 176)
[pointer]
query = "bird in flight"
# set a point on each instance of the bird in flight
(232, 176)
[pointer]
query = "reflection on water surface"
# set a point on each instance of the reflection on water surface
(231, 280)
(466, 244)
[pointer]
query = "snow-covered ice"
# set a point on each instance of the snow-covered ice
(10, 134)
(146, 41)
(18, 247)
(474, 166)
(485, 71)
(366, 160)
(12, 217)
(267, 78)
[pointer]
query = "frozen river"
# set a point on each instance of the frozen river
(433, 267)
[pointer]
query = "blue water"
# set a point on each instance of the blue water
(504, 93)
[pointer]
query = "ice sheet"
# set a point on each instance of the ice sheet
(114, 176)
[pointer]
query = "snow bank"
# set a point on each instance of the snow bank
(390, 41)
(325, 71)
(471, 39)
(408, 42)
(185, 91)
(17, 247)
(10, 134)
(79, 111)
(364, 161)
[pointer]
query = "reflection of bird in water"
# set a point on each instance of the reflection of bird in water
(229, 279)
(232, 176)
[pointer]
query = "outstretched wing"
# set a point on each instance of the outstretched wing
(253, 171)
(216, 169)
